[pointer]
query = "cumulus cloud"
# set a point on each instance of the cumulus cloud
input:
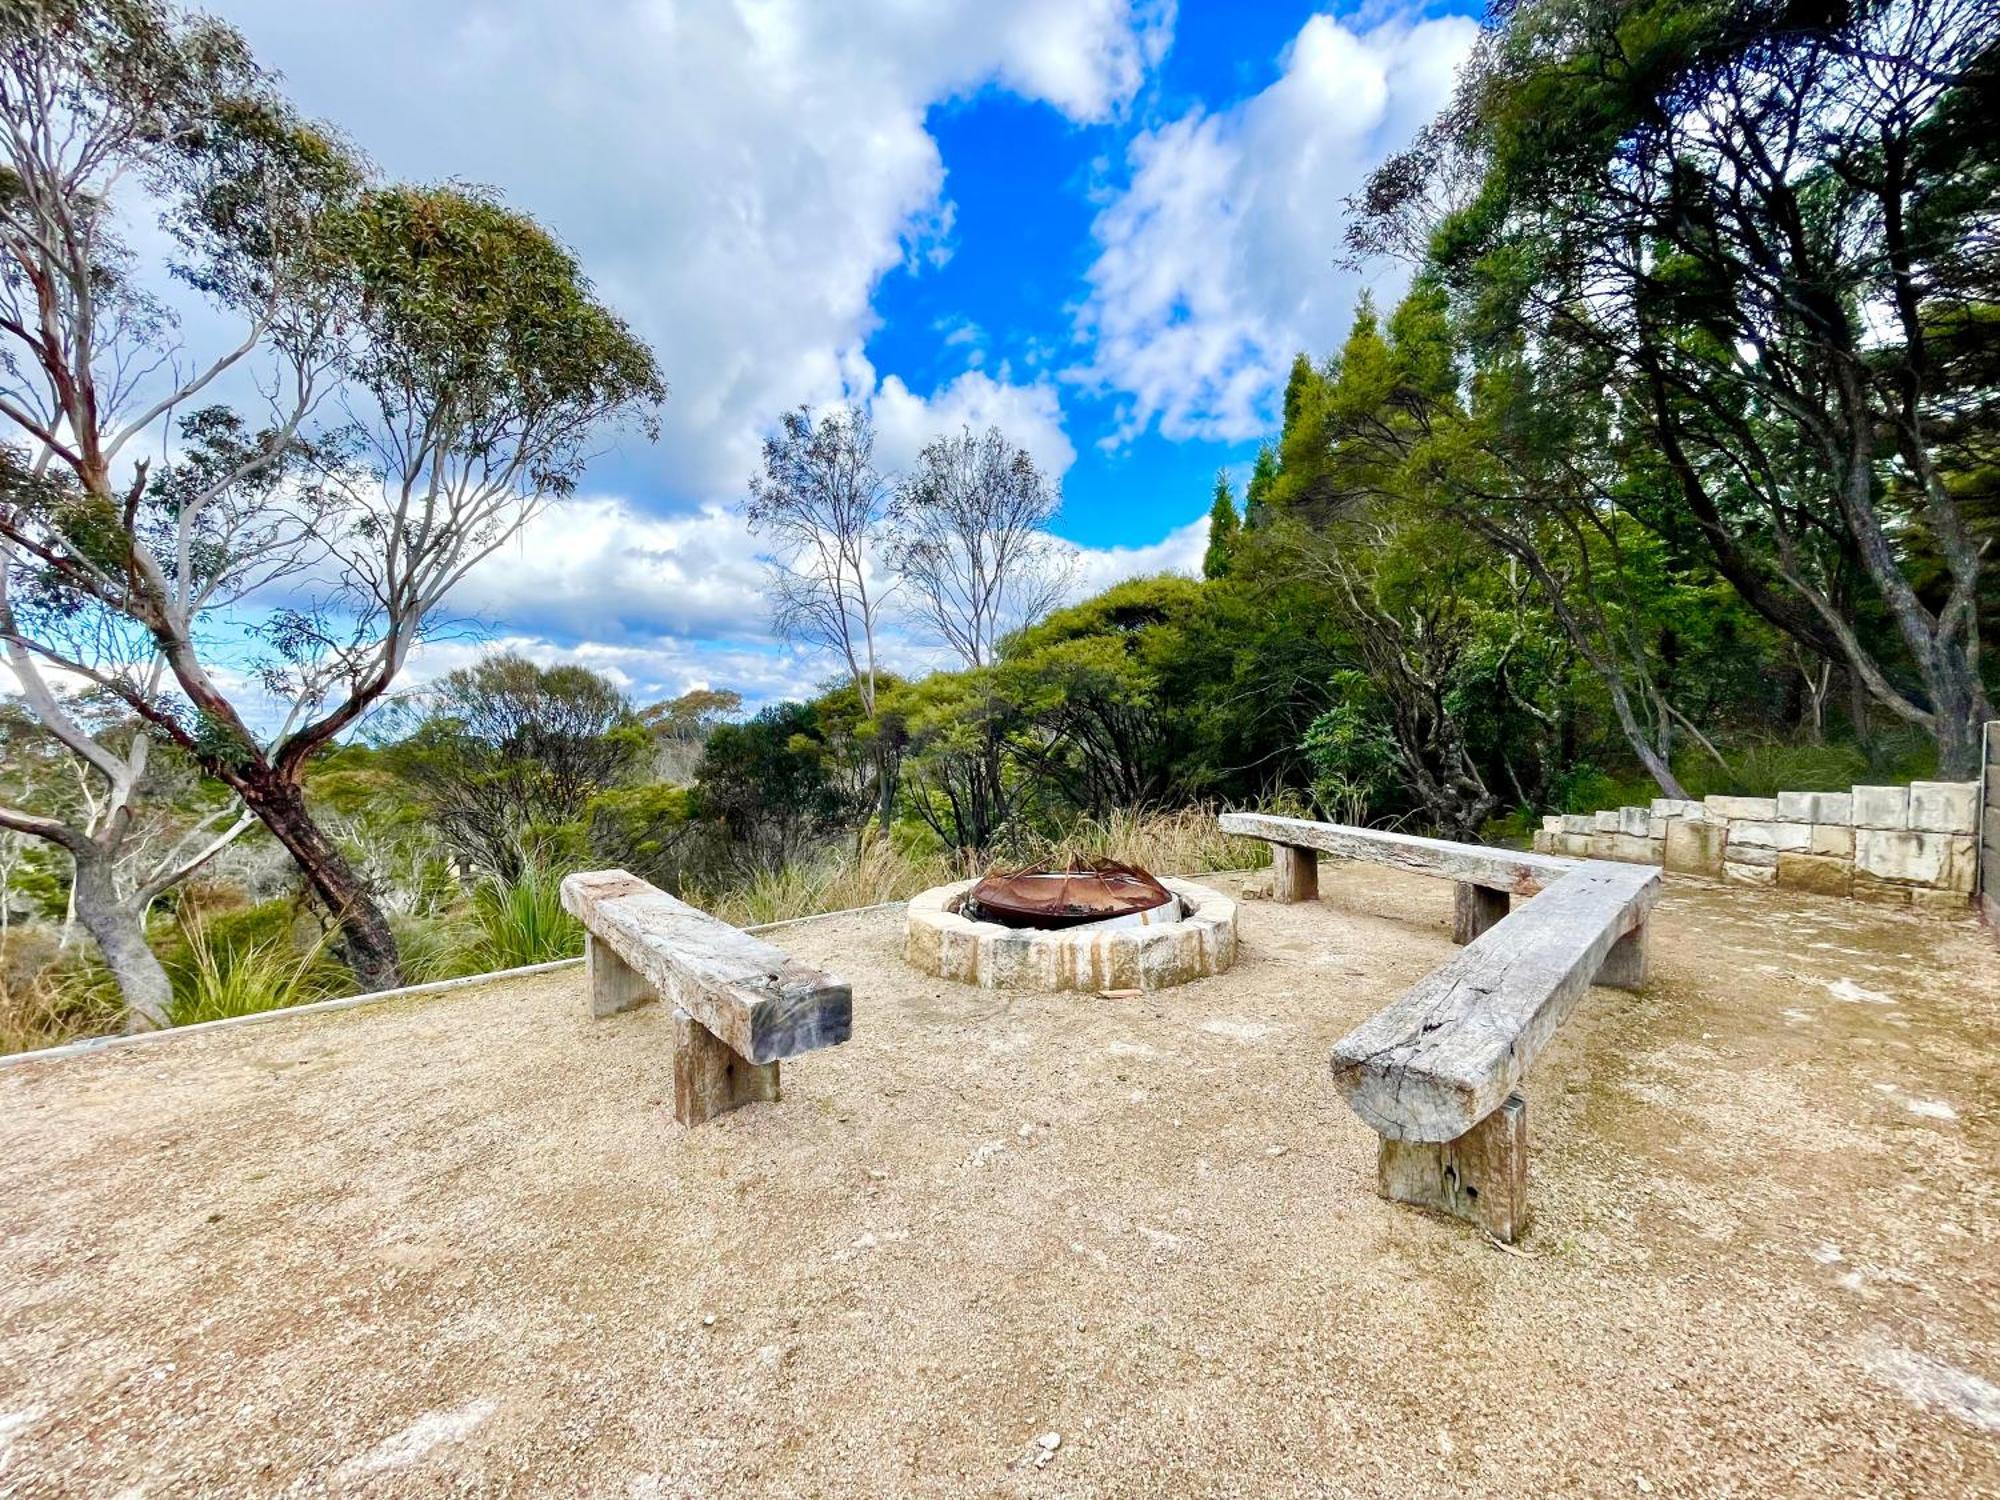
(664, 605)
(601, 568)
(1179, 551)
(738, 177)
(1215, 261)
(1031, 415)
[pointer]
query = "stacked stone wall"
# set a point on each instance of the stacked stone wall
(1915, 845)
(1989, 829)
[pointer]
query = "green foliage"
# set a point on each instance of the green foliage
(1687, 275)
(1257, 494)
(1353, 758)
(772, 782)
(475, 311)
(507, 753)
(1223, 527)
(248, 965)
(650, 829)
(519, 922)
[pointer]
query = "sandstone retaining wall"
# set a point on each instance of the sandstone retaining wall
(1914, 845)
(1989, 830)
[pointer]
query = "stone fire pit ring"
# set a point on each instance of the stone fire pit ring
(938, 940)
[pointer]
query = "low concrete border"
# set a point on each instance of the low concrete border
(374, 997)
(937, 940)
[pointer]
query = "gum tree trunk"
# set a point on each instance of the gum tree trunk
(120, 931)
(367, 946)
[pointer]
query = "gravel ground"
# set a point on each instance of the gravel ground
(1031, 1245)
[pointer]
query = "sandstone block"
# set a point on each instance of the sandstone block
(1836, 842)
(1816, 807)
(1961, 871)
(1881, 807)
(1743, 874)
(1880, 892)
(1676, 807)
(1583, 823)
(1750, 854)
(1817, 873)
(1695, 848)
(1944, 806)
(1763, 809)
(1903, 857)
(1942, 901)
(1543, 842)
(1553, 823)
(1771, 835)
(1634, 849)
(1635, 821)
(1603, 845)
(1575, 845)
(1605, 820)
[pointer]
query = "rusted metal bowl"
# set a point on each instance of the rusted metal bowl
(1052, 899)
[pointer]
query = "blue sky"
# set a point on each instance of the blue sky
(1104, 224)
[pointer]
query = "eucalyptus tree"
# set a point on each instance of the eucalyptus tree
(506, 747)
(823, 504)
(132, 818)
(428, 369)
(1771, 229)
(972, 544)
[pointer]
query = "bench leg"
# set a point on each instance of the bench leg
(1624, 967)
(710, 1079)
(1482, 1176)
(1294, 873)
(614, 984)
(1474, 908)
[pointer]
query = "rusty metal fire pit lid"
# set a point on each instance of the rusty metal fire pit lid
(1088, 890)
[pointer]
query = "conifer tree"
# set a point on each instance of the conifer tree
(1222, 530)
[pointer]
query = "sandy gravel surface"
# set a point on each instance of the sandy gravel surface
(458, 1245)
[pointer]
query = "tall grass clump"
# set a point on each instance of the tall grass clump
(49, 995)
(1186, 841)
(868, 872)
(515, 923)
(216, 978)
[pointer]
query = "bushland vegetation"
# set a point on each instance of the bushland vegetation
(1672, 471)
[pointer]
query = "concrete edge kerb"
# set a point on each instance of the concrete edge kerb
(94, 1044)
(90, 1045)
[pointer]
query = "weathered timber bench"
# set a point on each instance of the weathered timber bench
(740, 1005)
(1437, 1073)
(1487, 879)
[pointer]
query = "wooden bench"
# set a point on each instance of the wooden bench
(740, 1005)
(1438, 1073)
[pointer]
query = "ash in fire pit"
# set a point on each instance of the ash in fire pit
(1088, 891)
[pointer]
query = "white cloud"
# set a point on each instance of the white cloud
(738, 177)
(600, 568)
(661, 606)
(1215, 263)
(1031, 415)
(647, 671)
(1179, 551)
